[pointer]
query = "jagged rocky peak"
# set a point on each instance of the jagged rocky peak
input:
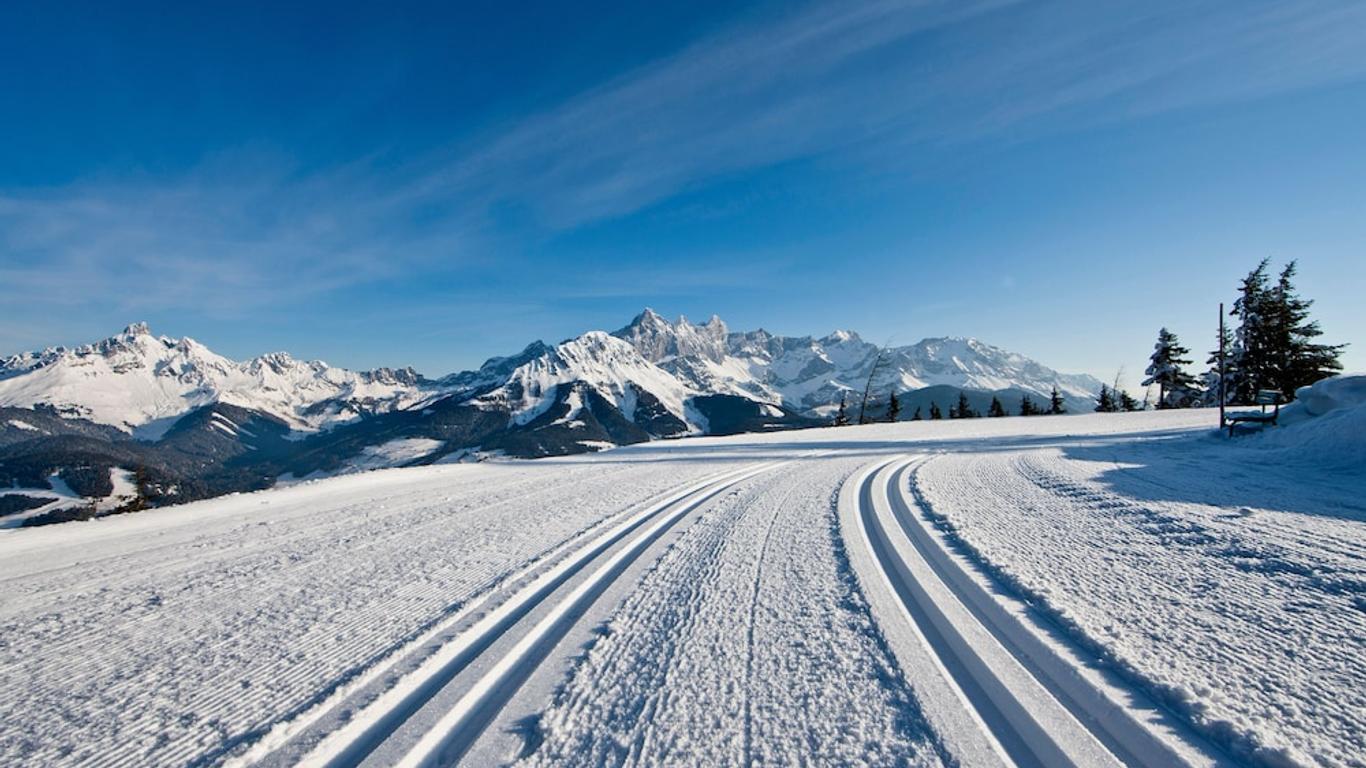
(134, 336)
(841, 336)
(279, 362)
(406, 376)
(657, 339)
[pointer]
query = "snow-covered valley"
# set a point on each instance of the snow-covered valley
(1086, 590)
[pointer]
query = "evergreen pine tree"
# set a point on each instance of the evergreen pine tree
(1126, 402)
(964, 409)
(1055, 402)
(916, 416)
(1166, 370)
(935, 414)
(1252, 348)
(1211, 377)
(1027, 407)
(996, 410)
(1297, 360)
(1105, 403)
(842, 415)
(893, 407)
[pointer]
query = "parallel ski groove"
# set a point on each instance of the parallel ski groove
(1036, 703)
(351, 744)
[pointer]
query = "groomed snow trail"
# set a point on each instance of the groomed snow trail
(183, 636)
(746, 643)
(1018, 685)
(443, 737)
(1090, 590)
(1233, 594)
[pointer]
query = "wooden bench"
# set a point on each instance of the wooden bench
(1265, 397)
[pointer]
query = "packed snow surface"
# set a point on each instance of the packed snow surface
(705, 601)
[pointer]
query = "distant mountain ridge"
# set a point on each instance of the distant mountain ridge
(136, 381)
(809, 374)
(189, 423)
(141, 383)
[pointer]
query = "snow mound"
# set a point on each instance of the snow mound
(1325, 424)
(1331, 394)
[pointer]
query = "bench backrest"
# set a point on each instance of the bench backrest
(1268, 397)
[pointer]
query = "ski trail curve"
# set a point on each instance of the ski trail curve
(445, 741)
(1005, 689)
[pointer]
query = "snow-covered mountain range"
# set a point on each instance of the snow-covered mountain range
(810, 375)
(142, 383)
(191, 420)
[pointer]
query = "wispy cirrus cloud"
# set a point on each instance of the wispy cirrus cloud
(877, 79)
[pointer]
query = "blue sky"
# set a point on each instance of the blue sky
(432, 184)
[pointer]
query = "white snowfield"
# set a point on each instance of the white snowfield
(1108, 589)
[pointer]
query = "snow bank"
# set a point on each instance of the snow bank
(1326, 424)
(1331, 394)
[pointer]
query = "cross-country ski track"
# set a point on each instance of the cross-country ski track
(394, 723)
(1011, 688)
(1006, 592)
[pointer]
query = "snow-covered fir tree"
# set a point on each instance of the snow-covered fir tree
(1297, 359)
(1252, 354)
(1105, 403)
(1166, 369)
(1275, 344)
(1211, 381)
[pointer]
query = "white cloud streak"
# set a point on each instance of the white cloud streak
(883, 78)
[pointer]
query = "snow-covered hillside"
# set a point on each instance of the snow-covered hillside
(140, 382)
(1096, 590)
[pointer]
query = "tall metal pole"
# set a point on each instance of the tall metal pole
(1223, 396)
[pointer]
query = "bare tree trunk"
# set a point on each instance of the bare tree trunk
(878, 362)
